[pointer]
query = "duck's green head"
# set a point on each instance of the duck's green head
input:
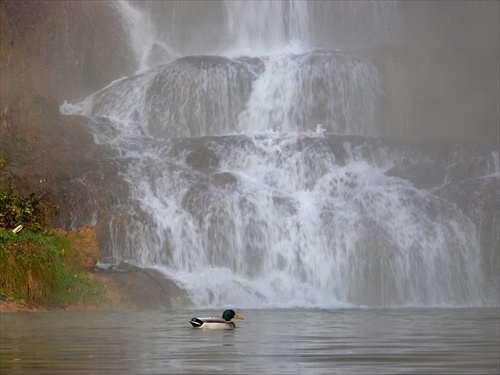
(230, 314)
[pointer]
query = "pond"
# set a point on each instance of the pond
(268, 341)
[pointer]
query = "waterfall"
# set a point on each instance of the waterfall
(299, 91)
(263, 27)
(148, 47)
(251, 180)
(170, 29)
(295, 220)
(211, 95)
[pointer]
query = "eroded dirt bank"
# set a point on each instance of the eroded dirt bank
(123, 287)
(121, 290)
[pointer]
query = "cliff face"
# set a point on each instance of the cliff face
(52, 51)
(59, 50)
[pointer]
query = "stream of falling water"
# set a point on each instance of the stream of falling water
(245, 190)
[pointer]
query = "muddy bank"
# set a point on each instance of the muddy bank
(114, 296)
(123, 286)
(126, 287)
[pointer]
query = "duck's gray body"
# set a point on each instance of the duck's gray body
(216, 323)
(212, 323)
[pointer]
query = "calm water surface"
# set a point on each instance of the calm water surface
(288, 341)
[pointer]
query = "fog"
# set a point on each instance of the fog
(466, 39)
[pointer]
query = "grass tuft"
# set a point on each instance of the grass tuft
(38, 267)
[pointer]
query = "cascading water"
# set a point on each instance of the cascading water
(211, 95)
(296, 92)
(248, 189)
(149, 50)
(255, 26)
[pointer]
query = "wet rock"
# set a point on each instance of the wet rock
(196, 199)
(478, 199)
(224, 179)
(202, 159)
(146, 288)
(424, 174)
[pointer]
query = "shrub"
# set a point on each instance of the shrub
(31, 211)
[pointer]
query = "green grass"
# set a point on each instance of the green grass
(37, 264)
(39, 267)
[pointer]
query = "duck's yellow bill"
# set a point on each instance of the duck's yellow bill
(238, 317)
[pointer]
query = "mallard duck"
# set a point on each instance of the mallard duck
(216, 323)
